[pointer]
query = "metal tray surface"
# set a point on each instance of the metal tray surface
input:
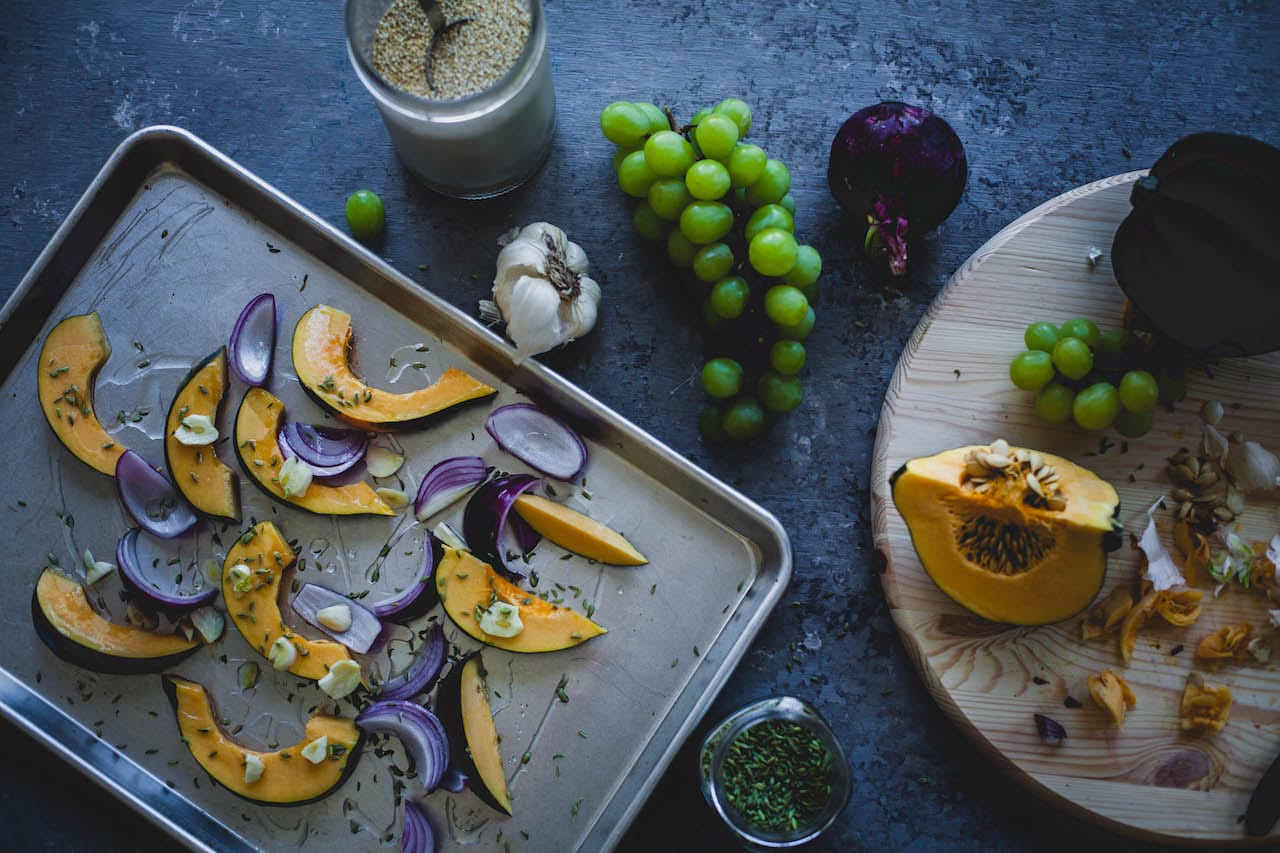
(168, 244)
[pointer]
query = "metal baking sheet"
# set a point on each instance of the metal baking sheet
(167, 244)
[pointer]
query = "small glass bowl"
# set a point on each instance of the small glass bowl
(711, 763)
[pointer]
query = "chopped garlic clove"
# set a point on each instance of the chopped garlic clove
(196, 430)
(501, 619)
(282, 654)
(382, 462)
(295, 477)
(253, 768)
(317, 751)
(336, 618)
(241, 577)
(342, 678)
(393, 498)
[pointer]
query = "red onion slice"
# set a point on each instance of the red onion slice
(420, 733)
(365, 627)
(420, 595)
(454, 780)
(328, 451)
(539, 440)
(253, 340)
(484, 522)
(447, 482)
(418, 836)
(150, 499)
(160, 593)
(418, 676)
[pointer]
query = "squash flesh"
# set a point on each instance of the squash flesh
(481, 732)
(73, 353)
(65, 606)
(209, 485)
(576, 532)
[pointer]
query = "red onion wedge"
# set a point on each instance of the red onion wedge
(420, 733)
(537, 439)
(328, 451)
(418, 676)
(418, 836)
(253, 340)
(161, 588)
(484, 522)
(363, 629)
(420, 595)
(150, 499)
(454, 780)
(447, 482)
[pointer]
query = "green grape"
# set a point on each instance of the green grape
(1041, 336)
(1031, 370)
(807, 269)
(773, 252)
(1084, 329)
(365, 214)
(634, 175)
(722, 377)
(707, 180)
(785, 305)
(700, 115)
(1113, 342)
(800, 330)
(771, 186)
(779, 393)
(1073, 358)
(680, 250)
(1132, 424)
(713, 262)
(1173, 384)
(787, 357)
(716, 135)
(1096, 407)
(709, 424)
(1053, 403)
(706, 221)
(744, 419)
(647, 223)
(789, 202)
(746, 165)
(668, 197)
(625, 124)
(657, 118)
(713, 320)
(669, 154)
(729, 297)
(1139, 391)
(619, 155)
(768, 216)
(736, 109)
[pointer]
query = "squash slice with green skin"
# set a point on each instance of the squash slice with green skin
(207, 484)
(257, 427)
(75, 632)
(576, 532)
(322, 343)
(288, 779)
(466, 584)
(70, 359)
(256, 612)
(462, 704)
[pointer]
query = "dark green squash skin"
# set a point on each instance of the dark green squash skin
(220, 352)
(449, 711)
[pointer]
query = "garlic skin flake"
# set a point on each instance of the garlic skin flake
(542, 290)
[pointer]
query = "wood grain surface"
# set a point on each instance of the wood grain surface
(951, 388)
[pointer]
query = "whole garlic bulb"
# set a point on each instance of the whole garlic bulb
(542, 290)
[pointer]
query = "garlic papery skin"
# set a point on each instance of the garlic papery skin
(1251, 466)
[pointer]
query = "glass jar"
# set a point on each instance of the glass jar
(476, 146)
(711, 770)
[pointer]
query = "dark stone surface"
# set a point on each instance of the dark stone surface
(1047, 96)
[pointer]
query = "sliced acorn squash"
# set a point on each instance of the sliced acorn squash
(462, 704)
(576, 532)
(257, 425)
(288, 778)
(70, 360)
(256, 611)
(466, 584)
(322, 343)
(1014, 535)
(210, 486)
(75, 632)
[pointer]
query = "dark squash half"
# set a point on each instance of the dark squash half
(463, 708)
(70, 359)
(207, 484)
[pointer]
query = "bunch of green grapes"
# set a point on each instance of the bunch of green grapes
(723, 209)
(1098, 379)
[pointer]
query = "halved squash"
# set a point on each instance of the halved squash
(75, 632)
(209, 486)
(466, 584)
(576, 532)
(321, 357)
(288, 779)
(257, 425)
(462, 703)
(69, 363)
(256, 609)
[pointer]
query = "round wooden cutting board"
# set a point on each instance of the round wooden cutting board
(952, 388)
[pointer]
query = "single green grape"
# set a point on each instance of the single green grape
(729, 297)
(1139, 391)
(1031, 370)
(707, 180)
(787, 357)
(1041, 336)
(700, 115)
(807, 269)
(772, 185)
(619, 155)
(785, 305)
(1096, 407)
(668, 197)
(746, 165)
(365, 214)
(680, 250)
(716, 135)
(738, 110)
(647, 223)
(800, 330)
(706, 221)
(788, 201)
(768, 216)
(743, 420)
(1073, 358)
(722, 377)
(657, 118)
(1132, 424)
(669, 154)
(634, 175)
(709, 423)
(624, 123)
(779, 393)
(713, 262)
(773, 252)
(1053, 403)
(1082, 328)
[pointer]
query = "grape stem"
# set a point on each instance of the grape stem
(887, 234)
